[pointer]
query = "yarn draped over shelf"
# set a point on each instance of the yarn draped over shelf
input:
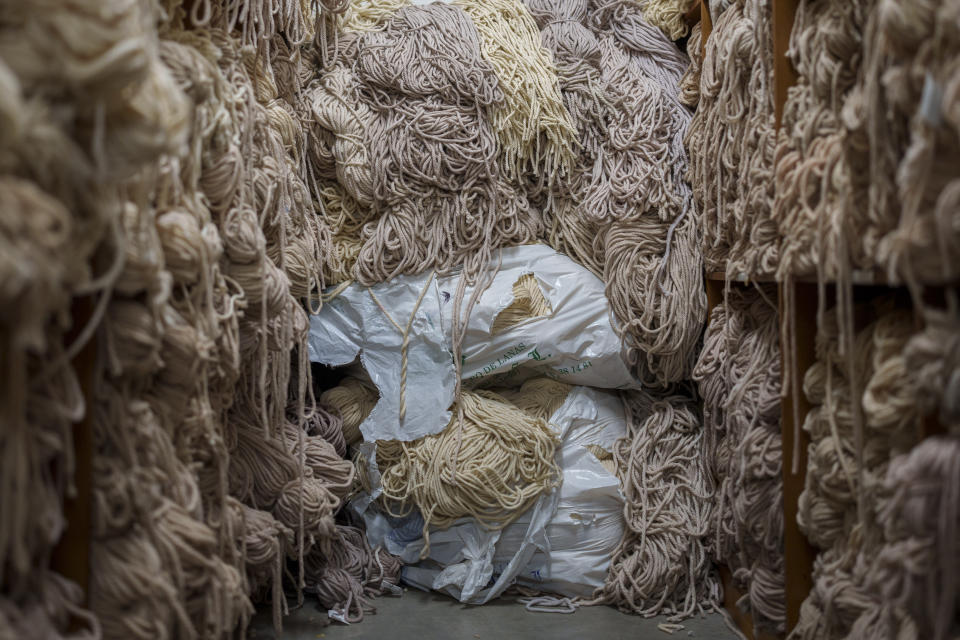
(731, 141)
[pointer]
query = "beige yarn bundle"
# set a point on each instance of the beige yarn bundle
(738, 375)
(503, 460)
(732, 141)
(846, 465)
(662, 564)
(353, 399)
(669, 15)
(817, 205)
(626, 211)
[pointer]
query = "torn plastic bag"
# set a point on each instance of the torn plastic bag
(562, 544)
(573, 341)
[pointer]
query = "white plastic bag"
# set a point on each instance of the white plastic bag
(562, 544)
(574, 343)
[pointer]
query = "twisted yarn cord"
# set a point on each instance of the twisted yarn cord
(738, 376)
(369, 15)
(405, 332)
(505, 460)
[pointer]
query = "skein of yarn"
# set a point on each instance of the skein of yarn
(732, 140)
(504, 459)
(738, 376)
(662, 566)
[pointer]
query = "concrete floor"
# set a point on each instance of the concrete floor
(431, 616)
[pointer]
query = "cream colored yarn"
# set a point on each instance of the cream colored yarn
(528, 302)
(533, 127)
(504, 459)
(353, 399)
(669, 16)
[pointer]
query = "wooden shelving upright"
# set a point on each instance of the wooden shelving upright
(71, 556)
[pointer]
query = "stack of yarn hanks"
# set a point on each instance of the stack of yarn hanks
(738, 375)
(160, 156)
(440, 133)
(872, 120)
(732, 139)
(882, 509)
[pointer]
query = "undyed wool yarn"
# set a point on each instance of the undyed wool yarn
(738, 376)
(619, 77)
(732, 140)
(662, 564)
(491, 468)
(845, 504)
(669, 15)
(533, 127)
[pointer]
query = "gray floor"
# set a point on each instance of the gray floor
(428, 616)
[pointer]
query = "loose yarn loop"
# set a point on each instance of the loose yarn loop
(662, 565)
(732, 142)
(738, 376)
(504, 459)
